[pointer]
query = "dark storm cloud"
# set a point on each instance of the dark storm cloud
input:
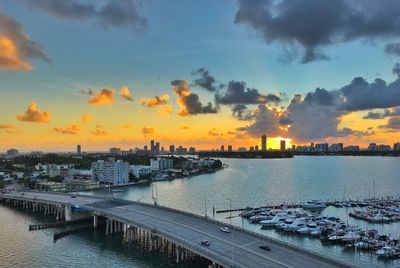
(373, 115)
(393, 48)
(205, 80)
(241, 112)
(190, 102)
(361, 95)
(315, 24)
(238, 93)
(396, 70)
(114, 13)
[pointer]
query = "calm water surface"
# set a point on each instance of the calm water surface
(246, 182)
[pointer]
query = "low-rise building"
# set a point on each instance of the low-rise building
(161, 164)
(140, 171)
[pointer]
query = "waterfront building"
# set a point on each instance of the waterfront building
(283, 145)
(49, 186)
(115, 151)
(396, 146)
(372, 147)
(251, 148)
(383, 148)
(321, 147)
(82, 185)
(264, 142)
(256, 148)
(293, 147)
(140, 171)
(11, 153)
(242, 149)
(222, 148)
(336, 147)
(111, 171)
(352, 148)
(78, 149)
(161, 164)
(172, 149)
(229, 148)
(192, 150)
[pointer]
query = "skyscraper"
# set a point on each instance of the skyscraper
(263, 142)
(283, 145)
(78, 149)
(172, 149)
(152, 145)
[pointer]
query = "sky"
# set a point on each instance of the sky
(117, 73)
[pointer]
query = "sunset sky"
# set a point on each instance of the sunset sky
(197, 73)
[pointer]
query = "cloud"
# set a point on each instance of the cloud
(396, 69)
(238, 93)
(205, 81)
(155, 101)
(393, 49)
(166, 109)
(148, 131)
(241, 112)
(189, 102)
(213, 133)
(99, 131)
(7, 126)
(127, 126)
(185, 127)
(393, 123)
(86, 118)
(313, 25)
(69, 130)
(32, 114)
(103, 97)
(345, 132)
(16, 47)
(125, 93)
(373, 115)
(114, 13)
(264, 121)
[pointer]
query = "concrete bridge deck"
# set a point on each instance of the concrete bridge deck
(188, 230)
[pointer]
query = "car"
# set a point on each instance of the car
(73, 196)
(265, 247)
(225, 229)
(205, 243)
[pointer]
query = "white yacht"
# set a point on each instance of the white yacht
(314, 204)
(386, 252)
(278, 218)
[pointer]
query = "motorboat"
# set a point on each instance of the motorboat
(314, 204)
(278, 218)
(386, 252)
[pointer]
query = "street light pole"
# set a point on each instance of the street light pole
(205, 204)
(230, 222)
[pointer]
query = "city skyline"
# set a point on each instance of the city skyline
(122, 73)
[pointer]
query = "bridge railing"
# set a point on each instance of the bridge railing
(243, 230)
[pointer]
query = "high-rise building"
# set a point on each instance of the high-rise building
(283, 145)
(78, 149)
(145, 148)
(229, 148)
(11, 153)
(115, 151)
(111, 171)
(372, 147)
(396, 146)
(222, 148)
(161, 163)
(192, 150)
(264, 142)
(157, 148)
(152, 147)
(172, 149)
(256, 148)
(293, 147)
(251, 148)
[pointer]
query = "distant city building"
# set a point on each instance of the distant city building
(264, 142)
(161, 164)
(320, 147)
(256, 148)
(222, 148)
(383, 147)
(140, 171)
(396, 146)
(79, 149)
(157, 148)
(11, 153)
(351, 148)
(145, 148)
(372, 147)
(293, 147)
(336, 147)
(192, 150)
(230, 148)
(152, 147)
(172, 149)
(115, 151)
(242, 149)
(283, 145)
(251, 148)
(111, 171)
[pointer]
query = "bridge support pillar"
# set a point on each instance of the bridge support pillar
(95, 221)
(178, 251)
(68, 213)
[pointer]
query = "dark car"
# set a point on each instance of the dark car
(265, 247)
(73, 196)
(205, 243)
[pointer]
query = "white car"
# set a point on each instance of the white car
(225, 230)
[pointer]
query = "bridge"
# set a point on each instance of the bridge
(177, 230)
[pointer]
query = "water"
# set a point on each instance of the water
(250, 182)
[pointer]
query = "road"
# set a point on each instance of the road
(240, 248)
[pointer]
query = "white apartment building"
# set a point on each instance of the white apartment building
(140, 171)
(111, 171)
(160, 164)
